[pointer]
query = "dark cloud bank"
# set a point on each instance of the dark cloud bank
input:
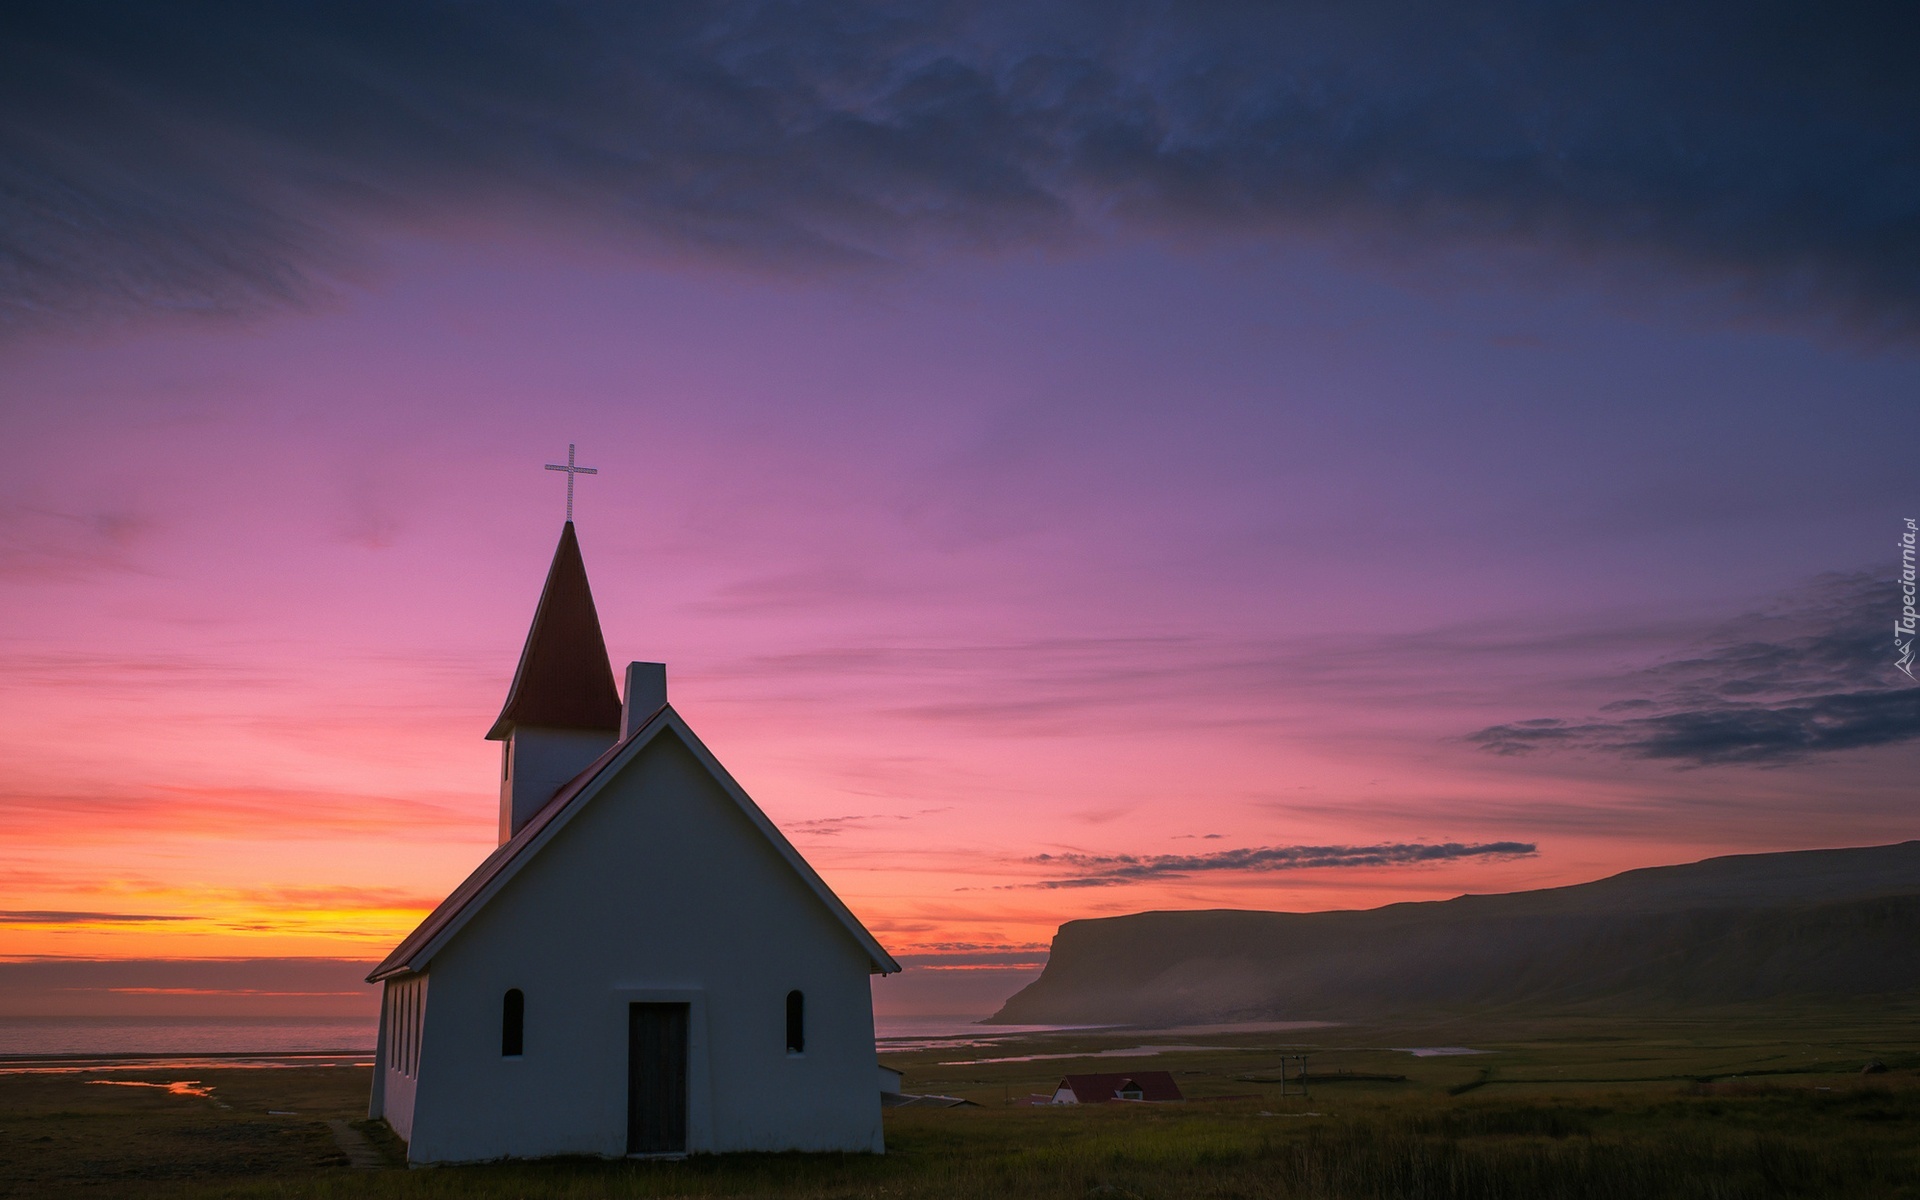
(1812, 676)
(1110, 870)
(213, 156)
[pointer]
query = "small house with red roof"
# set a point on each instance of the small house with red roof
(1149, 1086)
(644, 965)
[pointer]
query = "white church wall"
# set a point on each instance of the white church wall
(377, 1104)
(659, 888)
(403, 1004)
(536, 763)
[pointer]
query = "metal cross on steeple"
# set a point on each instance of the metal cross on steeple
(571, 471)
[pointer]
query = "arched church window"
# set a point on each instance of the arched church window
(513, 1023)
(796, 1023)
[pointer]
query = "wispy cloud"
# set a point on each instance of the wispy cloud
(831, 826)
(56, 917)
(191, 991)
(1729, 733)
(1024, 949)
(1045, 687)
(1113, 870)
(216, 159)
(123, 811)
(974, 958)
(1809, 676)
(941, 963)
(200, 907)
(1080, 684)
(43, 544)
(148, 986)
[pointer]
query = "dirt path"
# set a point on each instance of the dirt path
(361, 1155)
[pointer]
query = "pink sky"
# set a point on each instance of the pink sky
(1139, 552)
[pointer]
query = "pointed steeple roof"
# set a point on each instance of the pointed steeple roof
(565, 680)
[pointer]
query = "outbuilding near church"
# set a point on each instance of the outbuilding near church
(1151, 1087)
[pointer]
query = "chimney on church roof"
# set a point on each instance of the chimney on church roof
(646, 695)
(562, 711)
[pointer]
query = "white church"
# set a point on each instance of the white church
(645, 965)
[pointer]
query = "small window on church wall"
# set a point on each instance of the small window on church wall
(796, 1023)
(513, 1024)
(506, 761)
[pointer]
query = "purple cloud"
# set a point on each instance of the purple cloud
(1112, 870)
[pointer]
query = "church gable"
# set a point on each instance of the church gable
(661, 872)
(625, 776)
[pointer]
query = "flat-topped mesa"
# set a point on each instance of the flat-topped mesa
(562, 711)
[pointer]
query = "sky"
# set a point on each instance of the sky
(1073, 461)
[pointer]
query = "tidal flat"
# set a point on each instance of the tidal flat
(1735, 1103)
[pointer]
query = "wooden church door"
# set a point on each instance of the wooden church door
(657, 1079)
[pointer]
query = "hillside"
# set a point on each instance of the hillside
(1811, 925)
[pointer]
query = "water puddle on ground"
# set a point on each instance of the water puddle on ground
(63, 1065)
(1436, 1051)
(1126, 1052)
(983, 1037)
(181, 1087)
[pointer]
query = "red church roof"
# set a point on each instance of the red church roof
(1095, 1089)
(565, 680)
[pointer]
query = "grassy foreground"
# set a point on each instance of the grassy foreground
(1734, 1107)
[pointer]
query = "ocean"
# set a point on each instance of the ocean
(36, 1036)
(22, 1037)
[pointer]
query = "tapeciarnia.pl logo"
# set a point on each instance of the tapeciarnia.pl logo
(1903, 625)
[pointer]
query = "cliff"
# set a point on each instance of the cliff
(1814, 925)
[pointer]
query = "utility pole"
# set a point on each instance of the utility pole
(1300, 1074)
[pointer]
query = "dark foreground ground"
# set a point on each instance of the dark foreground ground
(1736, 1105)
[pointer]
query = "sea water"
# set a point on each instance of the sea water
(37, 1036)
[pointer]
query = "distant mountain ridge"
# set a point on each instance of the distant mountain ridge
(1808, 924)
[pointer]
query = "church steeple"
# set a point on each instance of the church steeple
(564, 680)
(563, 710)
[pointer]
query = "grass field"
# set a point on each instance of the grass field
(1737, 1105)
